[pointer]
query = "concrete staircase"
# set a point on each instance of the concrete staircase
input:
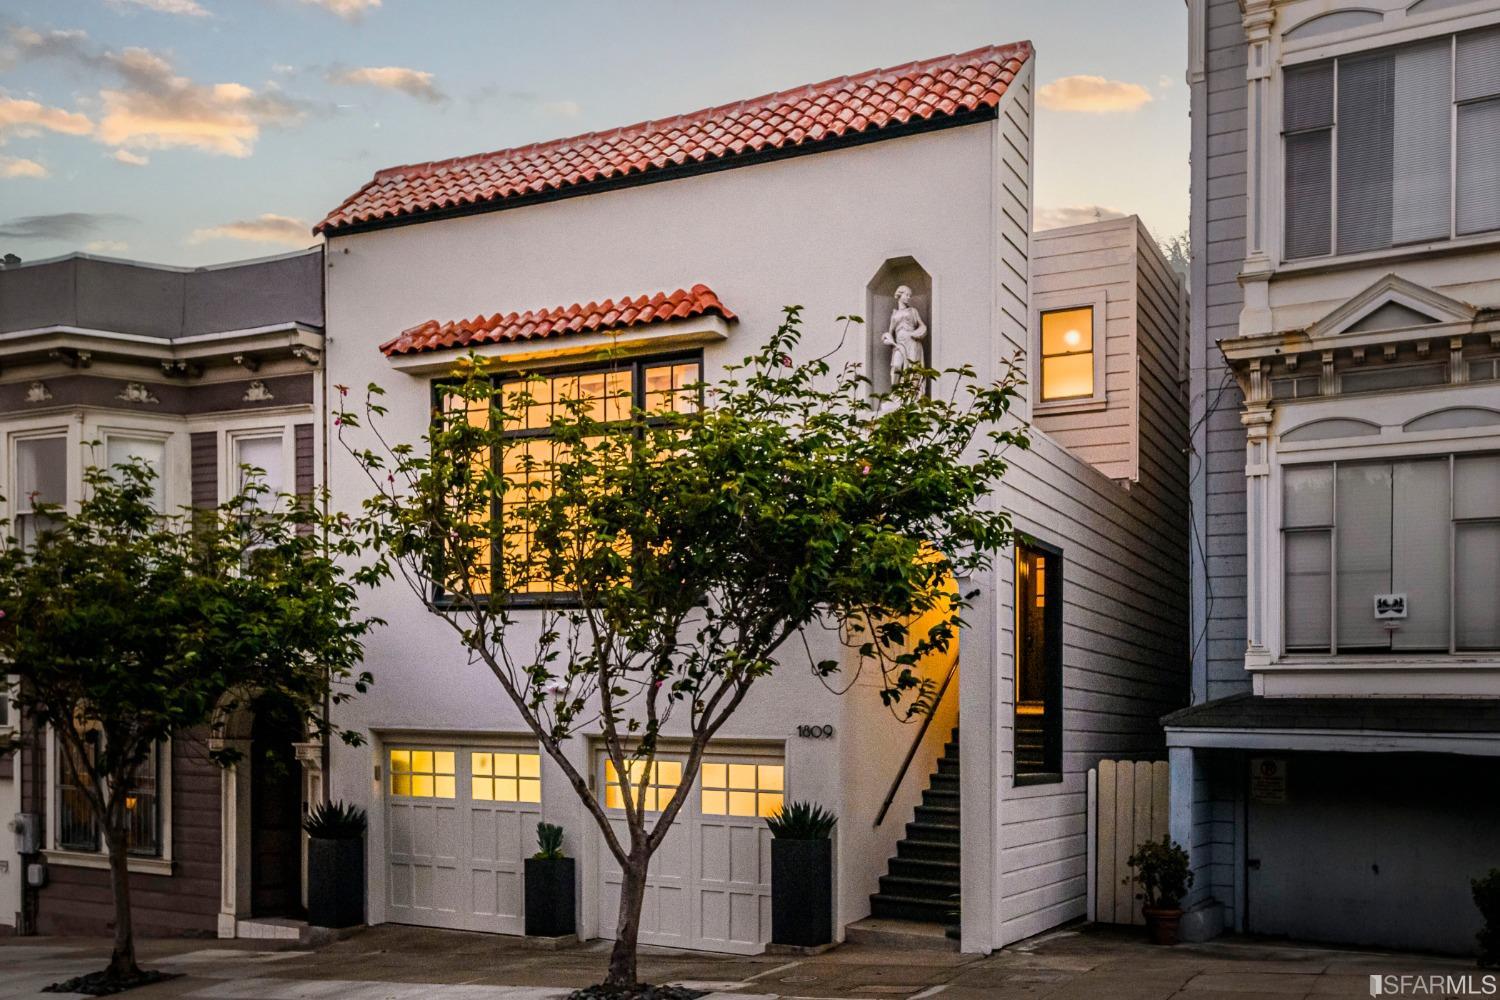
(922, 882)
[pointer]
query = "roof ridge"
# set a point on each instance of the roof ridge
(431, 166)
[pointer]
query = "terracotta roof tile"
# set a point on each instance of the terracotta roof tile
(611, 314)
(945, 87)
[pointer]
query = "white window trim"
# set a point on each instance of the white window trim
(100, 859)
(1264, 541)
(73, 476)
(1095, 300)
(173, 480)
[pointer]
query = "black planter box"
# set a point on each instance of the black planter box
(801, 892)
(549, 897)
(335, 882)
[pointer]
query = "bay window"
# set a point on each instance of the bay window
(123, 449)
(1392, 556)
(1392, 147)
(41, 477)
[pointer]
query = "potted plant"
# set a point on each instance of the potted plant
(802, 875)
(1487, 898)
(335, 865)
(549, 886)
(1162, 870)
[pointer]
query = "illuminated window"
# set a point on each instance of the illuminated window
(477, 413)
(1039, 689)
(423, 774)
(505, 777)
(743, 789)
(1068, 354)
(78, 828)
(666, 775)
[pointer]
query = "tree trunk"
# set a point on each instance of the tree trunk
(122, 958)
(622, 967)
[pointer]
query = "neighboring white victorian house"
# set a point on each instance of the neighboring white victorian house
(1336, 777)
(684, 239)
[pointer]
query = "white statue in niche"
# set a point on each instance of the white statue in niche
(904, 334)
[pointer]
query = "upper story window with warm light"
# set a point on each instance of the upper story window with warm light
(1394, 147)
(1068, 354)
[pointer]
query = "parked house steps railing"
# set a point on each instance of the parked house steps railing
(923, 879)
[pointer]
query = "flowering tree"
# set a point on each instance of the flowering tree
(663, 555)
(125, 627)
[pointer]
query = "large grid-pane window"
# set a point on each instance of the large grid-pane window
(1372, 160)
(41, 477)
(1420, 535)
(530, 455)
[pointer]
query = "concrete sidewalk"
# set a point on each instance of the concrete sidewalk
(403, 963)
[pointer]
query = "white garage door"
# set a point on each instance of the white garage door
(709, 886)
(459, 822)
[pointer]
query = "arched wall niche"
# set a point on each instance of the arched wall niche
(880, 300)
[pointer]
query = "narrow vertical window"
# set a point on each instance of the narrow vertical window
(1307, 117)
(1477, 91)
(1068, 354)
(1039, 681)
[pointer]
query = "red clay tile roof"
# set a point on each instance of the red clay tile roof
(643, 310)
(948, 87)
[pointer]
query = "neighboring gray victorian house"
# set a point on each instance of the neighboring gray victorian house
(646, 256)
(1336, 776)
(199, 371)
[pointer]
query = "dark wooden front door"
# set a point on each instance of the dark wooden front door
(275, 813)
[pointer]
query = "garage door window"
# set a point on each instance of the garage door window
(742, 789)
(666, 775)
(505, 777)
(423, 774)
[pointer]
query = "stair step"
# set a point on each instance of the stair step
(947, 782)
(941, 797)
(950, 750)
(935, 868)
(918, 849)
(937, 815)
(942, 833)
(920, 888)
(910, 908)
(946, 766)
(900, 935)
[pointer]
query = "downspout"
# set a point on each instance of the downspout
(325, 752)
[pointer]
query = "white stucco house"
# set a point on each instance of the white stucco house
(1335, 777)
(683, 239)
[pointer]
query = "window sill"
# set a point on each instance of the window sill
(1091, 405)
(85, 859)
(1344, 262)
(1039, 778)
(1386, 661)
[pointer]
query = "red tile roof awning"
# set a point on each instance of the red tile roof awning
(539, 324)
(945, 90)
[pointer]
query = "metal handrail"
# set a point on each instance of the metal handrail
(916, 745)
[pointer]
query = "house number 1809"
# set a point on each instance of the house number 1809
(815, 732)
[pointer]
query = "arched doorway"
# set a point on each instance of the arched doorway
(275, 810)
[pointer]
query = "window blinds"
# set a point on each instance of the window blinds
(1421, 123)
(1365, 137)
(1307, 116)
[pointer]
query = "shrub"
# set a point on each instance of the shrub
(1487, 898)
(549, 841)
(335, 821)
(1163, 872)
(802, 821)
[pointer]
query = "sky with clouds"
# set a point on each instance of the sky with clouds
(198, 131)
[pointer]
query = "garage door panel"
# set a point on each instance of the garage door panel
(455, 853)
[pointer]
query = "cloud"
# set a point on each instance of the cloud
(413, 82)
(152, 106)
(349, 10)
(15, 166)
(1092, 94)
(268, 228)
(132, 159)
(59, 226)
(185, 8)
(490, 93)
(1073, 215)
(20, 117)
(107, 246)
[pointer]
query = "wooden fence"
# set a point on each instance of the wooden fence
(1127, 805)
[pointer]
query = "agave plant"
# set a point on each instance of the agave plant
(335, 821)
(549, 838)
(802, 821)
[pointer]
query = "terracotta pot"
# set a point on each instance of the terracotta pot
(1161, 923)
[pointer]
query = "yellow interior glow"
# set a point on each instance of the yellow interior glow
(1068, 354)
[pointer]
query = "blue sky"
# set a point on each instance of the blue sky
(196, 131)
